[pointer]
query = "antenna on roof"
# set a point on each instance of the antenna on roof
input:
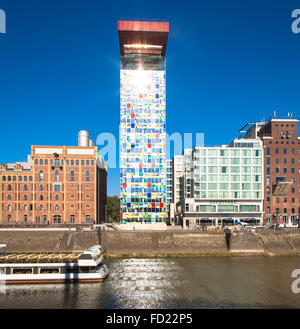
(274, 114)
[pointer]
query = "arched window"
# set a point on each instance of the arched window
(41, 188)
(57, 207)
(41, 198)
(9, 178)
(20, 178)
(72, 162)
(9, 197)
(9, 207)
(36, 161)
(56, 176)
(72, 176)
(9, 187)
(56, 198)
(14, 178)
(87, 176)
(41, 175)
(25, 197)
(41, 207)
(4, 178)
(25, 207)
(25, 187)
(41, 162)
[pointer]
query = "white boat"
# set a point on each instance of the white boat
(54, 268)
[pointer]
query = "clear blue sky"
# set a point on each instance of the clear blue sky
(228, 62)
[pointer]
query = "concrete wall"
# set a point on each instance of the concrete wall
(151, 243)
(48, 241)
(154, 243)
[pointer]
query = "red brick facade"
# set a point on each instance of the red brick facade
(59, 187)
(281, 171)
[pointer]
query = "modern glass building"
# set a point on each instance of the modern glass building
(219, 185)
(143, 121)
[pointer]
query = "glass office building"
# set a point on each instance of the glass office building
(143, 121)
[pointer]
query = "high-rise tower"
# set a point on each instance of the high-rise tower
(143, 121)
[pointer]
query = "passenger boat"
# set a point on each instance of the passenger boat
(54, 268)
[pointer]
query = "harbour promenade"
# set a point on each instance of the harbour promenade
(153, 243)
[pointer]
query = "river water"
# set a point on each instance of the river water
(208, 282)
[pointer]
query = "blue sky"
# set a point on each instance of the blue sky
(228, 63)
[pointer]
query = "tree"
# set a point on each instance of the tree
(113, 209)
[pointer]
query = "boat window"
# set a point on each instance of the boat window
(49, 270)
(22, 271)
(71, 269)
(84, 270)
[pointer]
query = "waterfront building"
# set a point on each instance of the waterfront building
(143, 121)
(281, 144)
(169, 184)
(57, 185)
(219, 185)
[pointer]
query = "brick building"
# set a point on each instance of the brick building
(57, 185)
(281, 145)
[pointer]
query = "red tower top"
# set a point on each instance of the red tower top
(143, 37)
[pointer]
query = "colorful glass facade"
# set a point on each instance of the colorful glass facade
(143, 145)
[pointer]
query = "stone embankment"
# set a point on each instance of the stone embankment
(154, 243)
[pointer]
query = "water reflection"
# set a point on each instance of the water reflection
(238, 282)
(144, 283)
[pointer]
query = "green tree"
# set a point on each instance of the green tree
(113, 209)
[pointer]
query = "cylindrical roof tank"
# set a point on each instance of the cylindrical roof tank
(83, 138)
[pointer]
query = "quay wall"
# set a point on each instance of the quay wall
(154, 243)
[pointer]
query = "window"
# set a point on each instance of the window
(37, 219)
(57, 207)
(87, 176)
(268, 161)
(41, 188)
(92, 162)
(9, 207)
(41, 207)
(9, 218)
(72, 219)
(56, 197)
(268, 151)
(44, 218)
(56, 188)
(41, 198)
(9, 187)
(87, 162)
(87, 217)
(41, 175)
(82, 162)
(72, 162)
(277, 151)
(41, 162)
(56, 176)
(25, 197)
(25, 218)
(9, 197)
(77, 162)
(25, 207)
